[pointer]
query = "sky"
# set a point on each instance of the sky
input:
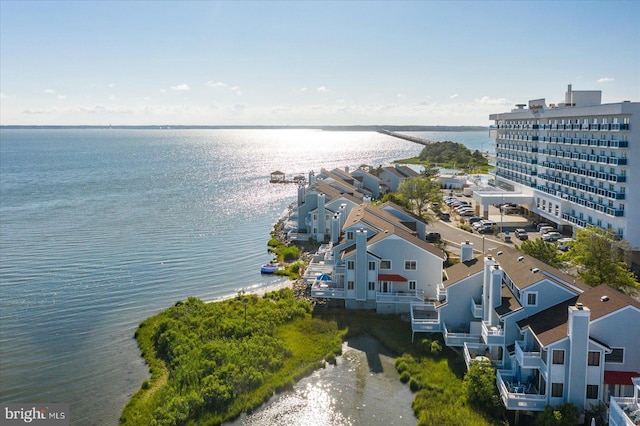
(307, 63)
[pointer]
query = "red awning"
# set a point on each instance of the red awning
(392, 277)
(619, 377)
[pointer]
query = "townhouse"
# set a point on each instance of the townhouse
(552, 338)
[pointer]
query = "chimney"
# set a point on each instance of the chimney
(335, 228)
(576, 359)
(466, 251)
(361, 265)
(322, 225)
(300, 194)
(312, 178)
(491, 290)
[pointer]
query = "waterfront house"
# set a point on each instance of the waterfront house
(381, 264)
(552, 338)
(393, 176)
(625, 411)
(370, 183)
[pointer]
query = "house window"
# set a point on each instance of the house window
(558, 356)
(593, 358)
(412, 285)
(410, 265)
(532, 299)
(350, 285)
(616, 355)
(349, 235)
(592, 391)
(315, 217)
(372, 285)
(351, 264)
(385, 264)
(557, 390)
(372, 266)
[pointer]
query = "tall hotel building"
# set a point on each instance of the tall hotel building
(574, 163)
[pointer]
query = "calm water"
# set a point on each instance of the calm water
(100, 229)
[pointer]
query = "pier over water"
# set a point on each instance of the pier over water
(409, 138)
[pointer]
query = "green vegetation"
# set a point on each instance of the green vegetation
(209, 362)
(600, 257)
(420, 191)
(565, 414)
(396, 198)
(481, 390)
(542, 250)
(450, 155)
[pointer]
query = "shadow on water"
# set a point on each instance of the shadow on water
(372, 349)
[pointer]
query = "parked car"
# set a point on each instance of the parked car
(444, 216)
(547, 229)
(483, 222)
(541, 224)
(433, 237)
(552, 236)
(486, 229)
(467, 213)
(564, 244)
(522, 234)
(474, 219)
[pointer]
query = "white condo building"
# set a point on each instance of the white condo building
(575, 163)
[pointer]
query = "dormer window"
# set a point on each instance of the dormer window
(532, 299)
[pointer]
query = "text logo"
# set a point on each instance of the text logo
(40, 414)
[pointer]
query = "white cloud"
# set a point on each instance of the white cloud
(236, 90)
(212, 83)
(63, 97)
(303, 89)
(163, 90)
(321, 89)
(605, 80)
(400, 96)
(112, 98)
(50, 91)
(453, 96)
(181, 87)
(111, 85)
(3, 96)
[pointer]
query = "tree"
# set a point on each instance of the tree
(542, 250)
(480, 388)
(420, 191)
(600, 258)
(430, 172)
(565, 414)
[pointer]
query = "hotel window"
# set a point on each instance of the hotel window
(412, 285)
(592, 391)
(372, 266)
(557, 390)
(372, 285)
(593, 358)
(558, 356)
(532, 299)
(351, 265)
(350, 285)
(385, 264)
(616, 355)
(410, 265)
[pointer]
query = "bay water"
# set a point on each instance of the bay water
(101, 228)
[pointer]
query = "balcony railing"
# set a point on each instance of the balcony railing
(476, 309)
(424, 317)
(527, 358)
(621, 412)
(474, 350)
(458, 338)
(327, 290)
(492, 335)
(516, 396)
(400, 297)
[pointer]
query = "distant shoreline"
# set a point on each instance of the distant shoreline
(355, 128)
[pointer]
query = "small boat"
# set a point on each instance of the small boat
(269, 268)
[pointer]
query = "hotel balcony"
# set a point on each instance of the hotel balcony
(458, 337)
(425, 318)
(492, 335)
(480, 352)
(519, 394)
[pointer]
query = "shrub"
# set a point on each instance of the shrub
(466, 228)
(401, 367)
(436, 348)
(414, 385)
(405, 376)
